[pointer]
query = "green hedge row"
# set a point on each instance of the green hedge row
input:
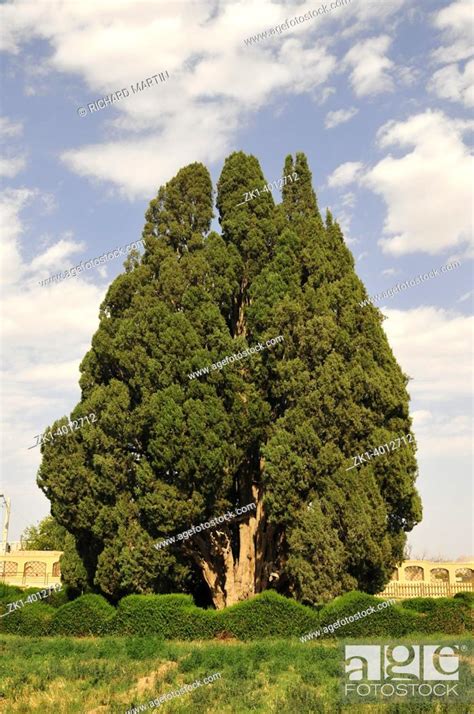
(11, 593)
(266, 615)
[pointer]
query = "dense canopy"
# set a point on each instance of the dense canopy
(278, 428)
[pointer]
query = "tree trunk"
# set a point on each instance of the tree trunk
(233, 579)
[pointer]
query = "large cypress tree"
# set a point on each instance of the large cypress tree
(278, 428)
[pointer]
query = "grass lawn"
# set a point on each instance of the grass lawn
(68, 675)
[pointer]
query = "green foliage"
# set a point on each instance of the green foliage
(391, 620)
(299, 199)
(88, 615)
(182, 209)
(317, 571)
(420, 604)
(424, 615)
(168, 616)
(58, 598)
(468, 597)
(47, 535)
(55, 598)
(267, 615)
(281, 426)
(32, 620)
(450, 616)
(73, 572)
(9, 591)
(175, 617)
(10, 594)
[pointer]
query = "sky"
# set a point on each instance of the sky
(379, 96)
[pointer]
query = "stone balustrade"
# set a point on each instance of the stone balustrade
(429, 578)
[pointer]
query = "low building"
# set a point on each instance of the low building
(427, 578)
(30, 568)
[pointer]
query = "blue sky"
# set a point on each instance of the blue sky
(378, 95)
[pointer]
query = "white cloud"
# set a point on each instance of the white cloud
(345, 174)
(421, 417)
(456, 22)
(361, 15)
(45, 333)
(427, 342)
(467, 254)
(348, 199)
(13, 269)
(407, 76)
(370, 66)
(208, 97)
(49, 203)
(62, 314)
(433, 347)
(440, 435)
(452, 83)
(325, 94)
(11, 167)
(55, 257)
(59, 373)
(340, 116)
(11, 203)
(113, 161)
(198, 114)
(9, 128)
(439, 165)
(444, 455)
(389, 271)
(465, 296)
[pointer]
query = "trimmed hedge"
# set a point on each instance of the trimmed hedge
(9, 592)
(468, 597)
(266, 615)
(391, 620)
(450, 617)
(172, 617)
(88, 615)
(444, 614)
(420, 604)
(12, 593)
(33, 619)
(55, 598)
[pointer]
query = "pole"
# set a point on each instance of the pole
(6, 522)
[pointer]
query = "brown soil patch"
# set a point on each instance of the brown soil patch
(139, 690)
(148, 682)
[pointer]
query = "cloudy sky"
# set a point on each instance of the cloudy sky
(379, 95)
